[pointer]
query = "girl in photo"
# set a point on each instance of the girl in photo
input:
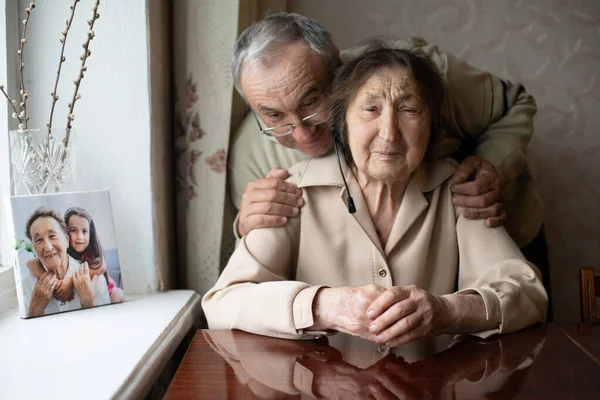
(84, 246)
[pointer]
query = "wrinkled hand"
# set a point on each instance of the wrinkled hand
(345, 309)
(83, 285)
(42, 292)
(477, 187)
(404, 313)
(64, 290)
(267, 202)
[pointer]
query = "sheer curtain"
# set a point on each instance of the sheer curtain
(194, 109)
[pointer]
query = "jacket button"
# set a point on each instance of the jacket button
(382, 348)
(382, 273)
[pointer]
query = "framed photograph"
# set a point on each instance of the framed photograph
(65, 252)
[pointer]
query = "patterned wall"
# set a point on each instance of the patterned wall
(553, 48)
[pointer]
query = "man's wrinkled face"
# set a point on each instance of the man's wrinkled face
(292, 85)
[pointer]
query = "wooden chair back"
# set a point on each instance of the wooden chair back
(589, 289)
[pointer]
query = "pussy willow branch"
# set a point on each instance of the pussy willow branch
(61, 60)
(23, 104)
(11, 103)
(77, 81)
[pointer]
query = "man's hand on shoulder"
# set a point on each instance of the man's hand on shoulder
(477, 186)
(268, 202)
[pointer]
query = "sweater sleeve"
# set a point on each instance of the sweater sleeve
(256, 292)
(491, 264)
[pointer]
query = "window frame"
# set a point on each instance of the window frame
(9, 38)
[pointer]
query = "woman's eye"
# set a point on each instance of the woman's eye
(370, 109)
(409, 110)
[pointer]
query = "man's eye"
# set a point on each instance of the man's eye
(409, 110)
(38, 241)
(310, 103)
(370, 109)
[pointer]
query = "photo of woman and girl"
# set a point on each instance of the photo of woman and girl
(85, 247)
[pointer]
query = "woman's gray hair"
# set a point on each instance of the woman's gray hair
(265, 38)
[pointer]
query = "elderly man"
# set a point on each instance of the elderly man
(283, 67)
(47, 231)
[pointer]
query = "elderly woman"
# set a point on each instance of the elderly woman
(388, 272)
(47, 231)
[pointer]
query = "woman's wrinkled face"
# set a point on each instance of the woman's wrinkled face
(388, 125)
(79, 233)
(50, 243)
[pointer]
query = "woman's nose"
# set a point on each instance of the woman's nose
(389, 128)
(47, 245)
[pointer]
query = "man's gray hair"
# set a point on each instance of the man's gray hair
(265, 38)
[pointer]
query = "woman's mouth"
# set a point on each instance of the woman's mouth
(388, 154)
(50, 256)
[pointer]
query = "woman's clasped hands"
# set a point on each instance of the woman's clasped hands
(390, 316)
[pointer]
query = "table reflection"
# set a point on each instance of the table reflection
(345, 367)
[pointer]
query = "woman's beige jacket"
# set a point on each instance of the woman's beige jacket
(270, 281)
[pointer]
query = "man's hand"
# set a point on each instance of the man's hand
(83, 285)
(344, 309)
(477, 187)
(267, 202)
(405, 313)
(42, 292)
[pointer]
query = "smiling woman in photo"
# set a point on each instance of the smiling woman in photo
(48, 233)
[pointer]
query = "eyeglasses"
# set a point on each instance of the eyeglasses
(283, 130)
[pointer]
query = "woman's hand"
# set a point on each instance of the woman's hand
(83, 285)
(345, 309)
(42, 292)
(64, 290)
(404, 313)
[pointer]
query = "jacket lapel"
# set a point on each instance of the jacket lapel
(361, 215)
(412, 206)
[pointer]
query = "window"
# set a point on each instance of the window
(8, 79)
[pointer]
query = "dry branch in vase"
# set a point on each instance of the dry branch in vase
(20, 108)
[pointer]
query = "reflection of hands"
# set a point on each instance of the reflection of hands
(334, 378)
(477, 186)
(83, 285)
(345, 309)
(64, 290)
(42, 292)
(405, 313)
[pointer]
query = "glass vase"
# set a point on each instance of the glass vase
(42, 161)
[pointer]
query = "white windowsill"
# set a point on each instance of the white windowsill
(112, 351)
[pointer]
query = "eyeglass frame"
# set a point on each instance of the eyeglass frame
(269, 131)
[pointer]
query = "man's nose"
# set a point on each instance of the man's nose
(303, 133)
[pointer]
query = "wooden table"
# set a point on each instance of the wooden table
(586, 336)
(542, 362)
